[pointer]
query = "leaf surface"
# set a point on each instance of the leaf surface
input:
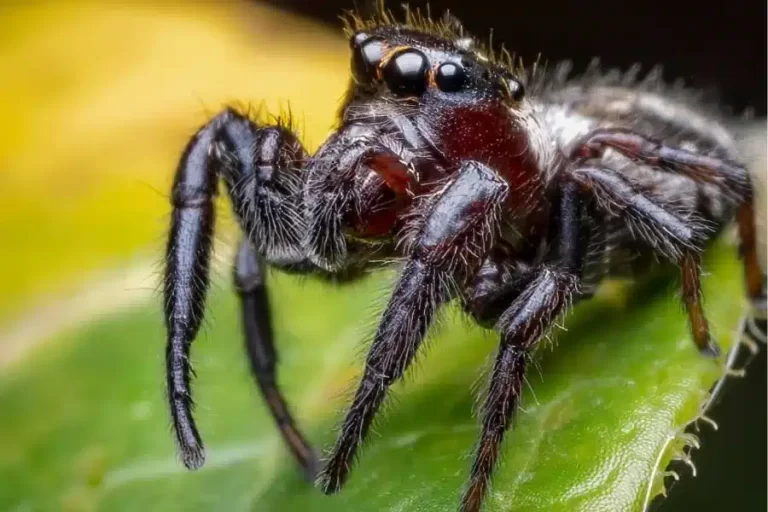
(86, 424)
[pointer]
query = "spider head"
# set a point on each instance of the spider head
(393, 62)
(462, 104)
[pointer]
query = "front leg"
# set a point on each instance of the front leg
(455, 230)
(291, 208)
(257, 166)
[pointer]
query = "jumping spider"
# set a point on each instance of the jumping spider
(513, 190)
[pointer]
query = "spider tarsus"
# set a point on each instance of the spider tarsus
(193, 456)
(711, 349)
(331, 480)
(473, 499)
(333, 476)
(310, 468)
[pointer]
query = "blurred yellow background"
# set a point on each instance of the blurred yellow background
(98, 101)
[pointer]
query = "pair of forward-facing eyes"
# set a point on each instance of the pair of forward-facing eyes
(406, 70)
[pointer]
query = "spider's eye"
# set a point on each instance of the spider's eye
(450, 77)
(406, 73)
(367, 53)
(357, 39)
(516, 89)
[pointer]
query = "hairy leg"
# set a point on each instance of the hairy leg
(232, 148)
(678, 239)
(731, 177)
(521, 326)
(549, 288)
(187, 265)
(455, 233)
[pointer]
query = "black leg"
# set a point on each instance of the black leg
(250, 280)
(732, 178)
(679, 240)
(454, 234)
(187, 264)
(521, 326)
(549, 289)
(661, 228)
(233, 148)
(290, 206)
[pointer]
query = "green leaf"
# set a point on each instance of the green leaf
(85, 426)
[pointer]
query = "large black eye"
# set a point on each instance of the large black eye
(357, 39)
(406, 73)
(367, 53)
(450, 77)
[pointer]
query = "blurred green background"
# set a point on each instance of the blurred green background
(98, 99)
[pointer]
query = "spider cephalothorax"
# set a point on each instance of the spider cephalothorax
(513, 203)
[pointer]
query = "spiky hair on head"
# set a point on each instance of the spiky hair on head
(445, 26)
